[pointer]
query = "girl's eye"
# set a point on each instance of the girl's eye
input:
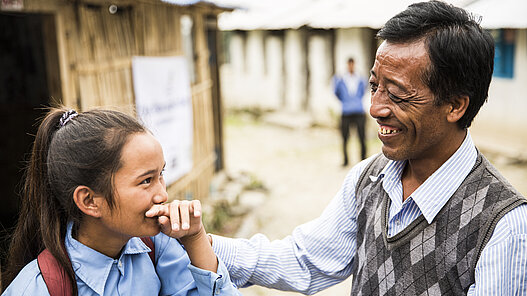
(146, 181)
(162, 172)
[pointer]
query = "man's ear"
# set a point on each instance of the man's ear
(457, 108)
(85, 200)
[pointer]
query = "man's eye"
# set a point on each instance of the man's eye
(396, 99)
(373, 87)
(146, 181)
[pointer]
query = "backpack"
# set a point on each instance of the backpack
(55, 278)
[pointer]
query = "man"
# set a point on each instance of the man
(428, 216)
(349, 89)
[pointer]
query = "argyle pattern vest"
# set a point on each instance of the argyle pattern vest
(428, 259)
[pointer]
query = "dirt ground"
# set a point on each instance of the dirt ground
(301, 168)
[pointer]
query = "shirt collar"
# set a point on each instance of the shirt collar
(93, 267)
(435, 192)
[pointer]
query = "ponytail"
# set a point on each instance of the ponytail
(41, 223)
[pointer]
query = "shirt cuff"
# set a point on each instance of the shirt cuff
(212, 283)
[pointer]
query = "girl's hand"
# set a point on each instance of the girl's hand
(182, 220)
(178, 219)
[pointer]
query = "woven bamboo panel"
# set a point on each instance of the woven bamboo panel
(100, 50)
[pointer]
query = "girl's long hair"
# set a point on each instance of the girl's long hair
(85, 151)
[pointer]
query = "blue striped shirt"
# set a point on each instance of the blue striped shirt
(320, 253)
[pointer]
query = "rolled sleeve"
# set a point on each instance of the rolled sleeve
(213, 283)
(226, 249)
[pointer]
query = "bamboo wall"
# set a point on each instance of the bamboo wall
(95, 56)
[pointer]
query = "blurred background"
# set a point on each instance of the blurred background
(264, 152)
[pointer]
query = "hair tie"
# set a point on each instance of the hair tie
(67, 116)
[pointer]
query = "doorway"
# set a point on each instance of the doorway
(28, 81)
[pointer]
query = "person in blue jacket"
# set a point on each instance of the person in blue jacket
(94, 186)
(349, 89)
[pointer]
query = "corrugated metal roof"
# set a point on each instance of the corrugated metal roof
(293, 14)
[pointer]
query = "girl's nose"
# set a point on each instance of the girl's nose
(161, 196)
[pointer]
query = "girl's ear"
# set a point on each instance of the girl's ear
(85, 200)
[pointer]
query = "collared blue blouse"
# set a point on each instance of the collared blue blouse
(132, 274)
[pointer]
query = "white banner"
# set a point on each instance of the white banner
(164, 105)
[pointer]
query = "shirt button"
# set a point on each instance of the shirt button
(120, 264)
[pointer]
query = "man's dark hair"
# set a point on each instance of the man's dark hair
(460, 51)
(351, 60)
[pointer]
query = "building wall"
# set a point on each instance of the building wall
(501, 119)
(358, 43)
(291, 73)
(252, 78)
(322, 103)
(295, 70)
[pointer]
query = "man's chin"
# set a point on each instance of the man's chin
(392, 154)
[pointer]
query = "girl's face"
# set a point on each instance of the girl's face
(138, 185)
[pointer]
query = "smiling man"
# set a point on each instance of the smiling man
(427, 216)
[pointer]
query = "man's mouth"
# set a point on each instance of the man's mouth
(386, 130)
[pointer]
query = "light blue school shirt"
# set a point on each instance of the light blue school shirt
(132, 274)
(320, 253)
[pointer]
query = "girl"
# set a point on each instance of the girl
(94, 187)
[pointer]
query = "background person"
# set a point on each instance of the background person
(94, 185)
(428, 216)
(349, 89)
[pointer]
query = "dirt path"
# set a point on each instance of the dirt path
(302, 170)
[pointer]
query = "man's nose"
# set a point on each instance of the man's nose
(380, 107)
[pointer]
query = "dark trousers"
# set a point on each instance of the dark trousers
(358, 120)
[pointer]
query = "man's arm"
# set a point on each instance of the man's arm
(337, 85)
(502, 266)
(317, 255)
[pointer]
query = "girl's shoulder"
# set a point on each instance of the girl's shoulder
(29, 281)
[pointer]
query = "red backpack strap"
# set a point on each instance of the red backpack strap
(149, 243)
(54, 276)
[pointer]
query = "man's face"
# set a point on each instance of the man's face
(351, 67)
(411, 125)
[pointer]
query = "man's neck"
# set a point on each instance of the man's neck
(417, 171)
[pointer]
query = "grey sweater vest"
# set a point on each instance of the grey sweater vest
(428, 259)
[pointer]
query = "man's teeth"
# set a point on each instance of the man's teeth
(386, 131)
